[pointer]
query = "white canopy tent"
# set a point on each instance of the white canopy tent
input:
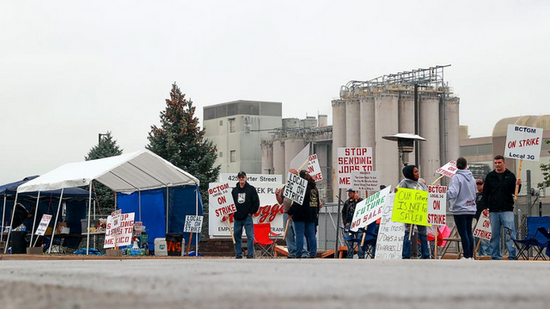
(136, 171)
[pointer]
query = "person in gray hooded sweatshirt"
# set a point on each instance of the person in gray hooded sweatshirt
(462, 198)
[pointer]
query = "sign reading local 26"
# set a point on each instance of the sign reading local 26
(353, 159)
(523, 143)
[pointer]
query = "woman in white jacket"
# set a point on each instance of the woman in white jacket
(462, 198)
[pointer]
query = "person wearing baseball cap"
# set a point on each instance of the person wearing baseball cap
(347, 215)
(247, 203)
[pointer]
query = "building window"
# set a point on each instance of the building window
(221, 123)
(233, 156)
(221, 154)
(232, 125)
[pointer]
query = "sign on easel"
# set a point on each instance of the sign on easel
(221, 200)
(437, 204)
(353, 159)
(193, 224)
(410, 206)
(390, 234)
(369, 209)
(43, 225)
(295, 188)
(313, 168)
(483, 227)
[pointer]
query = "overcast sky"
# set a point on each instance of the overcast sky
(72, 69)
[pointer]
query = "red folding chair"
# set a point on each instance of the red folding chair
(264, 239)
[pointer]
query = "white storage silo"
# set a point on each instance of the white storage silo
(368, 121)
(406, 118)
(429, 129)
(338, 138)
(386, 155)
(353, 123)
(279, 157)
(452, 140)
(267, 157)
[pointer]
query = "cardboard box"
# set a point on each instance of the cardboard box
(113, 252)
(35, 250)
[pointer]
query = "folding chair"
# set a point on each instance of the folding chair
(353, 240)
(545, 243)
(263, 239)
(533, 238)
(369, 246)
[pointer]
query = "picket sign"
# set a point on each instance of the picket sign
(353, 159)
(523, 143)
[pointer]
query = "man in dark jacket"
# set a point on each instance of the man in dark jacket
(498, 196)
(247, 202)
(484, 245)
(347, 215)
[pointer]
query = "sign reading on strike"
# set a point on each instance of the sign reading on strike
(369, 209)
(390, 234)
(314, 169)
(353, 159)
(295, 188)
(43, 225)
(523, 143)
(483, 227)
(193, 224)
(221, 200)
(410, 206)
(365, 181)
(437, 204)
(448, 169)
(118, 230)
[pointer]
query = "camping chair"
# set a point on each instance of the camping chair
(369, 246)
(534, 238)
(353, 240)
(546, 243)
(263, 239)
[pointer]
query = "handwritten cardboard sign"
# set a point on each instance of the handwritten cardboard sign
(437, 204)
(119, 230)
(221, 200)
(523, 143)
(193, 224)
(483, 227)
(365, 181)
(410, 206)
(390, 234)
(448, 169)
(353, 159)
(369, 209)
(295, 188)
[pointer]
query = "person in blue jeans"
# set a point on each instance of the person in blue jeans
(498, 196)
(484, 243)
(305, 216)
(462, 204)
(247, 203)
(411, 182)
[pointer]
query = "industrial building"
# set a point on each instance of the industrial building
(237, 128)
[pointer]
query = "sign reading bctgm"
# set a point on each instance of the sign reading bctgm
(353, 159)
(437, 201)
(221, 200)
(523, 143)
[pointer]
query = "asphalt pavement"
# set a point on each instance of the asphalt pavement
(279, 283)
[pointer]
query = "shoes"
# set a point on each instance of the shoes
(249, 257)
(290, 257)
(466, 259)
(238, 257)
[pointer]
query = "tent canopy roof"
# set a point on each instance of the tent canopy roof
(140, 170)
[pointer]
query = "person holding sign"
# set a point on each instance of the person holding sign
(347, 215)
(287, 220)
(305, 216)
(411, 182)
(247, 202)
(484, 247)
(462, 200)
(498, 196)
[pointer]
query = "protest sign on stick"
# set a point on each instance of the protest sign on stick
(369, 209)
(43, 225)
(295, 188)
(437, 214)
(410, 206)
(353, 159)
(314, 169)
(523, 143)
(221, 200)
(119, 230)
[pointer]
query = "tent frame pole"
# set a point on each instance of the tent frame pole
(11, 222)
(89, 217)
(3, 217)
(34, 218)
(139, 203)
(56, 218)
(197, 214)
(167, 203)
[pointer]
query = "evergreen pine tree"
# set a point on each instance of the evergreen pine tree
(107, 147)
(180, 140)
